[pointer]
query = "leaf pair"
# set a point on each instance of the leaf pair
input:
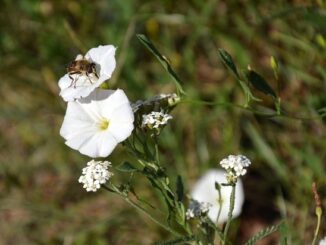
(256, 80)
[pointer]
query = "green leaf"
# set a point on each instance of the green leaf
(126, 167)
(162, 59)
(180, 189)
(259, 83)
(262, 234)
(228, 61)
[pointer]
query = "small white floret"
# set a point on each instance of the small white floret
(155, 120)
(235, 166)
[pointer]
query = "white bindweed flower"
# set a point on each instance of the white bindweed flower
(82, 80)
(204, 191)
(95, 174)
(96, 124)
(155, 120)
(235, 166)
(322, 241)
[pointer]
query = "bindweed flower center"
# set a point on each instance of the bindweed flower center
(103, 124)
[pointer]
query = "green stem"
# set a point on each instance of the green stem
(157, 155)
(227, 226)
(141, 209)
(220, 202)
(249, 109)
(318, 213)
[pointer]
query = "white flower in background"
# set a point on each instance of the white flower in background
(235, 166)
(98, 66)
(322, 241)
(197, 209)
(96, 124)
(204, 191)
(155, 119)
(95, 174)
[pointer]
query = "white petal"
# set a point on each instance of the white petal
(204, 191)
(76, 141)
(117, 100)
(123, 113)
(104, 57)
(72, 89)
(100, 145)
(99, 96)
(120, 131)
(76, 120)
(81, 129)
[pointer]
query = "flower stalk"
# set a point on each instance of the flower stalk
(122, 194)
(227, 226)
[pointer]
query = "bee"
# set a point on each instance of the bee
(81, 67)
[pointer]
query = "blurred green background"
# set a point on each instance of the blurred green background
(41, 201)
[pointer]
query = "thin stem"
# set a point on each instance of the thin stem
(227, 226)
(157, 155)
(141, 209)
(318, 213)
(257, 112)
(220, 202)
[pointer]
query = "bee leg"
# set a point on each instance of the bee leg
(76, 79)
(72, 80)
(87, 74)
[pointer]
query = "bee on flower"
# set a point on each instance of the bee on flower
(88, 72)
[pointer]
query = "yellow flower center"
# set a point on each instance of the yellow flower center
(103, 124)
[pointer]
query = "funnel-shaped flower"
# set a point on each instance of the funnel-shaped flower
(98, 66)
(96, 124)
(204, 191)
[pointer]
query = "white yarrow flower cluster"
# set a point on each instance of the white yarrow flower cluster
(235, 166)
(197, 209)
(155, 120)
(95, 174)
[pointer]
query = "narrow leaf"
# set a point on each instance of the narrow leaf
(284, 233)
(262, 234)
(126, 167)
(180, 189)
(259, 83)
(162, 59)
(228, 61)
